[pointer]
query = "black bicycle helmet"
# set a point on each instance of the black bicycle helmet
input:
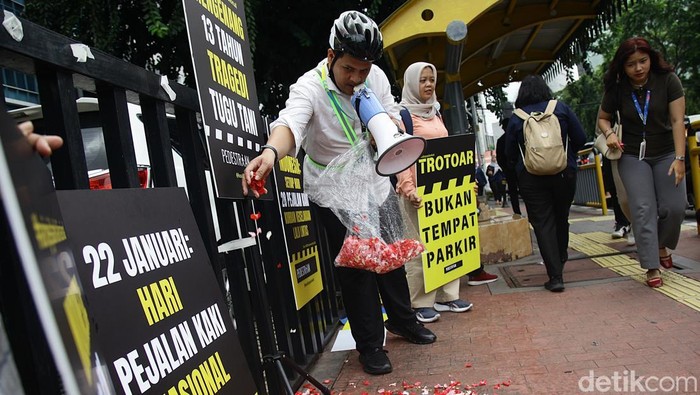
(357, 34)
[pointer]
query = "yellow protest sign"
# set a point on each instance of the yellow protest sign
(448, 219)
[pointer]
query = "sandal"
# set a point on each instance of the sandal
(655, 280)
(666, 261)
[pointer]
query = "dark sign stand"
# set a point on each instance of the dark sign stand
(279, 358)
(272, 356)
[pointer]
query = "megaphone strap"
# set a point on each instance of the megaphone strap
(337, 109)
(313, 162)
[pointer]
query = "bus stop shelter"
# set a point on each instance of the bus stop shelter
(507, 39)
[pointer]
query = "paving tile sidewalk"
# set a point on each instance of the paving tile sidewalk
(597, 335)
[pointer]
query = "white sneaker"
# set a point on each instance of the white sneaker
(619, 233)
(455, 306)
(630, 238)
(426, 314)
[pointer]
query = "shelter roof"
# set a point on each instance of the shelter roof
(507, 39)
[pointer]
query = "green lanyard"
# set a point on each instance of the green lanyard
(337, 109)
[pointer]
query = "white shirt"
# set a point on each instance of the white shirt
(309, 115)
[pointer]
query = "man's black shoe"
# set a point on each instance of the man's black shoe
(414, 332)
(375, 362)
(554, 285)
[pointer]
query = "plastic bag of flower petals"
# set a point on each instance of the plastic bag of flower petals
(379, 236)
(375, 255)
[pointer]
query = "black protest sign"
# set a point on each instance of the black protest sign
(299, 232)
(160, 318)
(37, 231)
(446, 158)
(223, 67)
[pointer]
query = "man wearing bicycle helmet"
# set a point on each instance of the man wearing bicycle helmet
(319, 118)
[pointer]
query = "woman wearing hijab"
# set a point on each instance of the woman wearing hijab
(418, 97)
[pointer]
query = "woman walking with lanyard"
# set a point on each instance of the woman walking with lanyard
(642, 86)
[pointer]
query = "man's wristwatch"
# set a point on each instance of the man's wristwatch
(680, 158)
(271, 148)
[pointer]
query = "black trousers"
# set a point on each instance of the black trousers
(361, 291)
(512, 179)
(548, 201)
(498, 189)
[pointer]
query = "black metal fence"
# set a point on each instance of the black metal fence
(301, 335)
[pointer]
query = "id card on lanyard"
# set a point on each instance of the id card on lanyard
(643, 116)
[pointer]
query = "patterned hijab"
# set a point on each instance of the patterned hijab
(410, 96)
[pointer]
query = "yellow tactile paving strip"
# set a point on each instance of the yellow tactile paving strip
(676, 286)
(687, 227)
(612, 219)
(602, 238)
(594, 219)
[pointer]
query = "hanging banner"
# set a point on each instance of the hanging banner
(156, 310)
(448, 220)
(223, 68)
(299, 233)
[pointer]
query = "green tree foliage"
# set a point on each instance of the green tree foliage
(671, 26)
(287, 37)
(148, 33)
(496, 100)
(291, 37)
(583, 96)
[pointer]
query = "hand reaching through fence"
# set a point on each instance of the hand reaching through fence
(43, 144)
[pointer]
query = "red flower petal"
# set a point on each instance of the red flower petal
(258, 185)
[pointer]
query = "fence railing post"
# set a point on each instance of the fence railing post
(694, 158)
(601, 184)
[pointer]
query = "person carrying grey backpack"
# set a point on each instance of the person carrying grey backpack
(547, 197)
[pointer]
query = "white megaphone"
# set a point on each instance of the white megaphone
(396, 150)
